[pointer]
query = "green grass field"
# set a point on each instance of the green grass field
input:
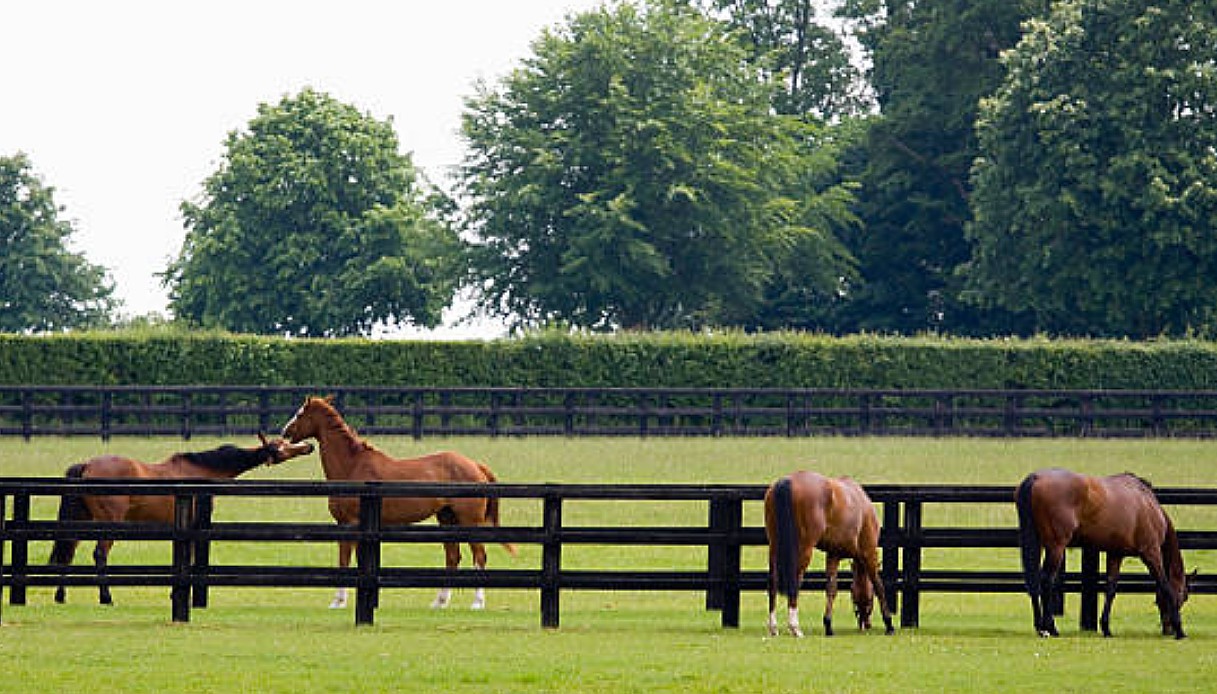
(286, 640)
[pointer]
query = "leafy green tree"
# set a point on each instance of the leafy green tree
(1096, 190)
(44, 287)
(933, 60)
(630, 173)
(315, 225)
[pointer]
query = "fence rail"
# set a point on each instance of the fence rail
(191, 573)
(188, 411)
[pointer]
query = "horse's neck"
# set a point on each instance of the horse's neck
(339, 448)
(179, 467)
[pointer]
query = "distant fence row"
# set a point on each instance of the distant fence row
(188, 411)
(907, 532)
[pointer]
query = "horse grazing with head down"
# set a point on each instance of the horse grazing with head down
(225, 462)
(805, 510)
(345, 456)
(1119, 515)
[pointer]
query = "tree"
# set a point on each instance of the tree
(44, 287)
(1096, 189)
(314, 225)
(933, 60)
(630, 173)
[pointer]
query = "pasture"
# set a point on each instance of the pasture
(286, 640)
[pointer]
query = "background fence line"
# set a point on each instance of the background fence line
(191, 574)
(187, 411)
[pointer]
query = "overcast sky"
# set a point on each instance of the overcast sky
(123, 106)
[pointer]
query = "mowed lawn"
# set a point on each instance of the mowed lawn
(287, 640)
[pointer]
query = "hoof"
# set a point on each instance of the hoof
(338, 605)
(889, 630)
(478, 605)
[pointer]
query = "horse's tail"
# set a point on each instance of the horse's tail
(785, 548)
(1028, 536)
(71, 508)
(492, 507)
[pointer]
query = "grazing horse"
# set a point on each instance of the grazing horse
(225, 462)
(345, 456)
(1118, 514)
(805, 510)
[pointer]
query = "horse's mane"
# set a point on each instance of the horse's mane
(1146, 483)
(334, 420)
(230, 458)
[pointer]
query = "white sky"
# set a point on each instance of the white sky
(123, 105)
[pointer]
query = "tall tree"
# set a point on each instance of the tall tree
(933, 60)
(44, 287)
(1096, 191)
(315, 224)
(630, 173)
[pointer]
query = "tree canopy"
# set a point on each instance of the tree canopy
(44, 286)
(315, 224)
(1096, 188)
(631, 173)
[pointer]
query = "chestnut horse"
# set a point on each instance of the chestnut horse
(1119, 515)
(344, 456)
(225, 462)
(805, 510)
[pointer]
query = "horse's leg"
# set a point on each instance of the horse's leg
(452, 560)
(101, 555)
(773, 590)
(345, 549)
(792, 604)
(871, 566)
(62, 554)
(831, 565)
(1054, 558)
(479, 560)
(1113, 577)
(1168, 604)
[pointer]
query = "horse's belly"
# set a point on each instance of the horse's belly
(395, 511)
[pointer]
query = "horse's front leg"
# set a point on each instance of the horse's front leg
(101, 555)
(1113, 577)
(345, 549)
(831, 565)
(479, 560)
(1168, 603)
(452, 560)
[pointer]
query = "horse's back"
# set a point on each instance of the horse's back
(441, 466)
(114, 466)
(1112, 513)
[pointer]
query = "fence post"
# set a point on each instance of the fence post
(201, 554)
(180, 592)
(890, 571)
(27, 414)
(367, 593)
(21, 551)
(732, 519)
(1088, 615)
(715, 554)
(911, 605)
(551, 561)
(3, 534)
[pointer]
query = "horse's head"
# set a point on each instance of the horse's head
(306, 423)
(281, 450)
(863, 594)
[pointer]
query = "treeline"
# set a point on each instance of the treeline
(779, 360)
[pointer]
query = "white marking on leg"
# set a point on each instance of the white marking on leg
(792, 620)
(773, 623)
(442, 598)
(340, 599)
(479, 599)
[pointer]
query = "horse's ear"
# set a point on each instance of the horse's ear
(330, 398)
(262, 438)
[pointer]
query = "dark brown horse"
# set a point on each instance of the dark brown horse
(225, 462)
(805, 510)
(1119, 515)
(344, 456)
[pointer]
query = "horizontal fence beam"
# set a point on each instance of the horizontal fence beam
(903, 538)
(188, 411)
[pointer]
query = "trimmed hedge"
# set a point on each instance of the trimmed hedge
(779, 360)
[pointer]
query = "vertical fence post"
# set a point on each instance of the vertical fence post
(715, 554)
(889, 538)
(21, 551)
(732, 519)
(201, 554)
(180, 590)
(367, 593)
(551, 561)
(1088, 615)
(3, 531)
(911, 604)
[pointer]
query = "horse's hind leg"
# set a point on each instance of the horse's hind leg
(345, 549)
(479, 560)
(1113, 577)
(831, 565)
(62, 554)
(101, 556)
(871, 566)
(1054, 558)
(452, 560)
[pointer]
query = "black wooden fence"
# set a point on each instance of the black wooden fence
(188, 411)
(192, 573)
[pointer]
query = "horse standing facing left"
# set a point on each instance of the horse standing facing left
(1119, 515)
(805, 510)
(225, 462)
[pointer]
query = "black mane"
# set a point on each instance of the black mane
(230, 458)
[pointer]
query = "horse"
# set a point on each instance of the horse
(1119, 515)
(345, 456)
(806, 510)
(225, 462)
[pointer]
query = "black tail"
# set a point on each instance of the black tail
(71, 507)
(1028, 536)
(786, 542)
